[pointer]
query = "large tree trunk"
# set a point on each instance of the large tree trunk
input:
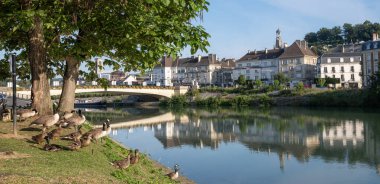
(66, 102)
(40, 93)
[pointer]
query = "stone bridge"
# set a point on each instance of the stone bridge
(166, 92)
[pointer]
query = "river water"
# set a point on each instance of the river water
(278, 145)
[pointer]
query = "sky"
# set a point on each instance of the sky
(237, 26)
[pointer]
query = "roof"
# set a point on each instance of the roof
(262, 54)
(335, 57)
(188, 62)
(344, 54)
(298, 49)
(347, 48)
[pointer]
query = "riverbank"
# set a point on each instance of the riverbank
(304, 97)
(24, 162)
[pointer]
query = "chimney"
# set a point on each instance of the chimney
(266, 51)
(286, 45)
(199, 58)
(255, 52)
(375, 36)
(343, 48)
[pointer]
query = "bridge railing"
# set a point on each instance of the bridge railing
(18, 95)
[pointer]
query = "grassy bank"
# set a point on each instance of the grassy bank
(28, 163)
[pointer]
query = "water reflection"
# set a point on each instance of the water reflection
(331, 136)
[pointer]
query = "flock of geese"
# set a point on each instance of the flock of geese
(79, 138)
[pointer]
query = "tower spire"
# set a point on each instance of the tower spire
(278, 39)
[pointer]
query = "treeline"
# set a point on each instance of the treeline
(326, 38)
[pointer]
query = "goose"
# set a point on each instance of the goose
(26, 113)
(100, 133)
(95, 133)
(55, 133)
(174, 175)
(51, 147)
(74, 136)
(122, 164)
(39, 138)
(68, 115)
(46, 121)
(135, 158)
(74, 120)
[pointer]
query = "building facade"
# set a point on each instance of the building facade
(186, 71)
(344, 66)
(371, 58)
(298, 63)
(258, 65)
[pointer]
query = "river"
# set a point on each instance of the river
(277, 145)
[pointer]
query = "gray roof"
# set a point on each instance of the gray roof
(262, 54)
(188, 62)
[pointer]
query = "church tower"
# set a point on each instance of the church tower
(278, 39)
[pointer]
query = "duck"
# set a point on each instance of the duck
(174, 175)
(46, 121)
(135, 158)
(123, 164)
(39, 138)
(51, 147)
(76, 145)
(26, 113)
(75, 136)
(55, 133)
(85, 141)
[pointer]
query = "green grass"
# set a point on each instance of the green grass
(88, 165)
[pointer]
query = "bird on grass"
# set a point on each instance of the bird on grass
(55, 133)
(26, 113)
(135, 158)
(74, 121)
(75, 136)
(39, 138)
(46, 121)
(51, 147)
(76, 145)
(123, 164)
(174, 175)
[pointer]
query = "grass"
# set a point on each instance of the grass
(88, 165)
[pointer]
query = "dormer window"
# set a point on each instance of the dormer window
(352, 59)
(341, 60)
(328, 60)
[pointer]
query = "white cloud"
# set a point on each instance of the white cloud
(336, 11)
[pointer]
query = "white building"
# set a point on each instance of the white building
(130, 79)
(371, 58)
(258, 65)
(298, 63)
(186, 71)
(345, 66)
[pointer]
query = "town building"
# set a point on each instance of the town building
(117, 75)
(186, 71)
(371, 58)
(298, 62)
(260, 65)
(224, 75)
(344, 65)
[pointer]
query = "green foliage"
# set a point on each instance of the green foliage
(321, 82)
(299, 87)
(325, 37)
(241, 80)
(281, 78)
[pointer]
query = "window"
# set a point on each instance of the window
(247, 71)
(248, 64)
(240, 65)
(342, 69)
(256, 71)
(328, 60)
(342, 77)
(341, 60)
(325, 69)
(352, 77)
(248, 77)
(352, 69)
(256, 77)
(333, 76)
(352, 59)
(333, 69)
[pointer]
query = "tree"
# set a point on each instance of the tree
(241, 80)
(282, 78)
(300, 87)
(258, 83)
(132, 34)
(321, 82)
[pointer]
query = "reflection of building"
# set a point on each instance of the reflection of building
(347, 134)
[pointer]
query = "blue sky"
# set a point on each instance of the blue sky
(237, 26)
